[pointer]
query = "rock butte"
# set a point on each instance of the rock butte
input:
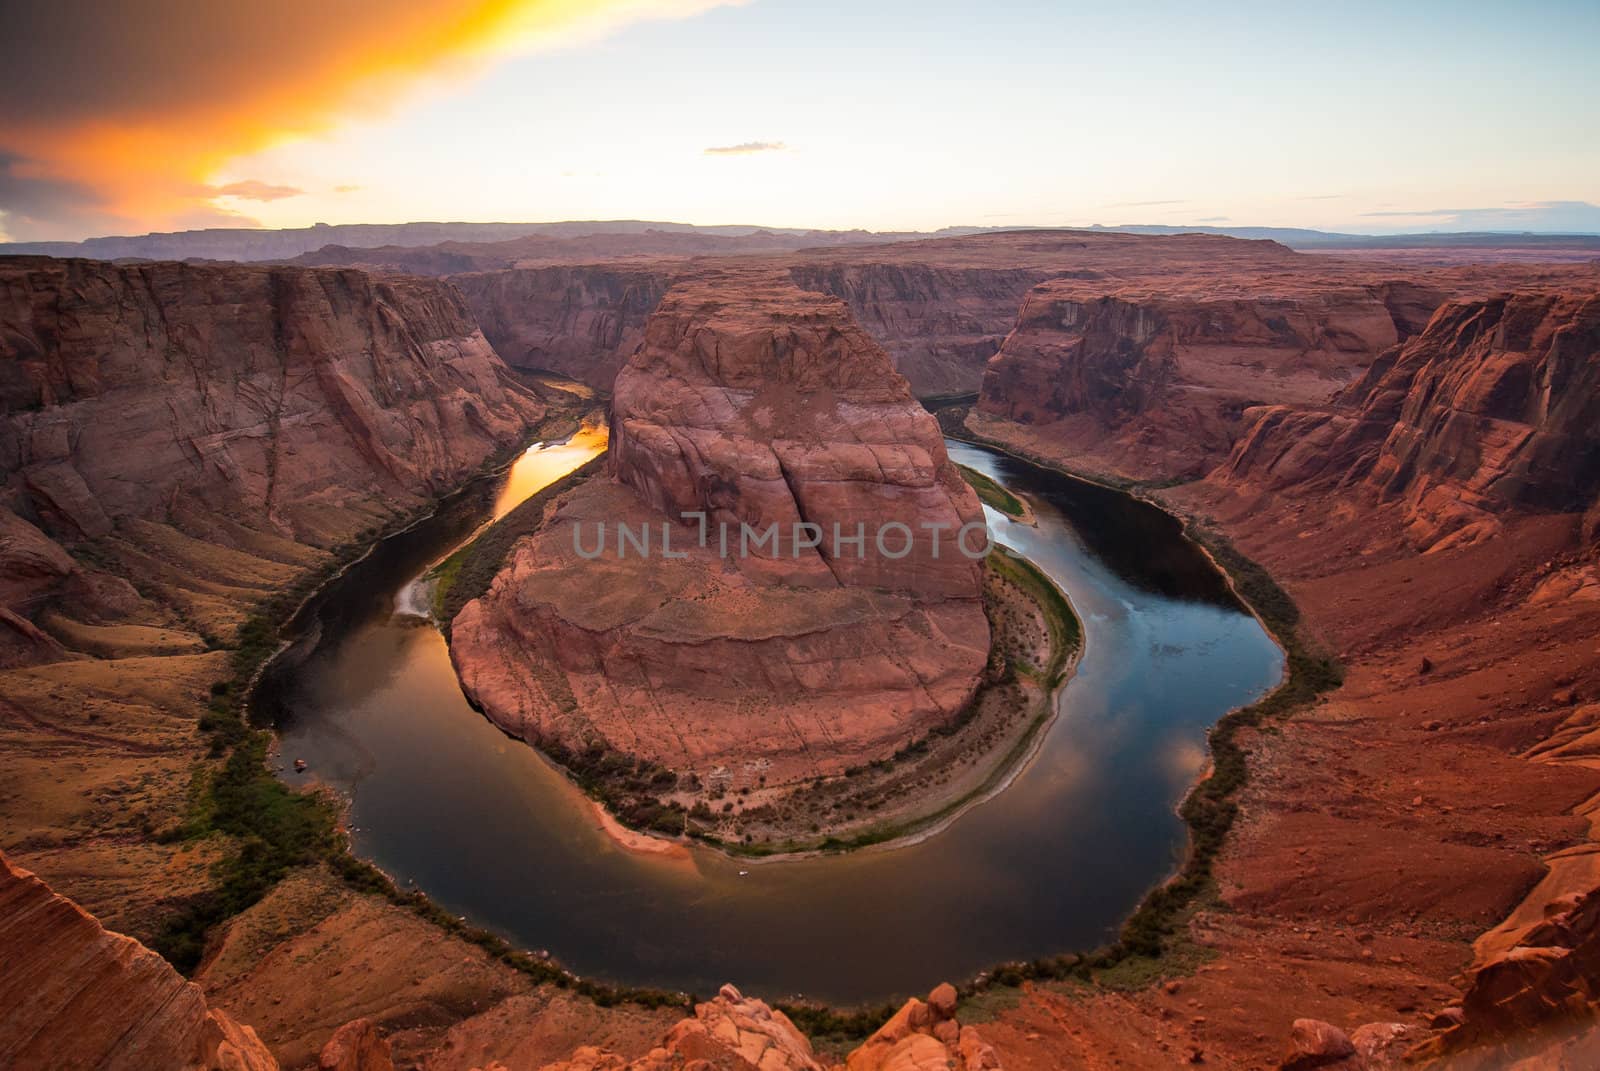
(757, 403)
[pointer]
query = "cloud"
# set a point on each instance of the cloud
(1212, 219)
(180, 88)
(252, 190)
(348, 188)
(745, 148)
(1143, 204)
(1571, 217)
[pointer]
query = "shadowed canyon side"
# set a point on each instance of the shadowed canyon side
(1494, 408)
(1431, 523)
(762, 407)
(167, 414)
(1154, 378)
(940, 324)
(188, 449)
(581, 321)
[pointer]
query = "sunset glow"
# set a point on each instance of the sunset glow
(894, 115)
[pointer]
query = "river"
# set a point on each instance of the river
(443, 801)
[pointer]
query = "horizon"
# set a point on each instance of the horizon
(1436, 119)
(1265, 232)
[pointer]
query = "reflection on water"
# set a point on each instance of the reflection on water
(543, 464)
(486, 827)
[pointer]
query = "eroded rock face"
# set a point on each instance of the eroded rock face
(940, 324)
(756, 403)
(282, 396)
(582, 321)
(1154, 376)
(76, 995)
(1494, 407)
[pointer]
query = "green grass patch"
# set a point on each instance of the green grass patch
(994, 495)
(1066, 631)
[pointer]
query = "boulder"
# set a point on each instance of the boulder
(1316, 1044)
(356, 1046)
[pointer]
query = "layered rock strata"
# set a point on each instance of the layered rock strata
(762, 408)
(288, 396)
(1155, 377)
(1494, 408)
(74, 994)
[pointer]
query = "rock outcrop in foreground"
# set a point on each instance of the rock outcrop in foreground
(76, 995)
(760, 404)
(738, 1033)
(1494, 408)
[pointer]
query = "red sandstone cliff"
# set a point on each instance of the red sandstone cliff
(75, 995)
(280, 395)
(1494, 408)
(582, 321)
(1153, 377)
(940, 324)
(176, 415)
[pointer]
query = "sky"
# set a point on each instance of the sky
(886, 115)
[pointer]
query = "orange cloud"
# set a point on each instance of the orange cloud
(126, 112)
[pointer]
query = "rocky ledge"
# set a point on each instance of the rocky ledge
(78, 995)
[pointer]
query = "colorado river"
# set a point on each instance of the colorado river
(442, 799)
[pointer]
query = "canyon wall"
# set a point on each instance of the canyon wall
(753, 402)
(207, 432)
(940, 324)
(1153, 379)
(1494, 408)
(581, 320)
(284, 396)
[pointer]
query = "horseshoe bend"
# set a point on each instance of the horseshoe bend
(1136, 606)
(762, 682)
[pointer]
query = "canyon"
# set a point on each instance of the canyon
(1408, 449)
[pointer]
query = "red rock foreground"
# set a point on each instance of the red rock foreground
(759, 404)
(74, 995)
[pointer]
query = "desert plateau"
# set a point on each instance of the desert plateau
(951, 538)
